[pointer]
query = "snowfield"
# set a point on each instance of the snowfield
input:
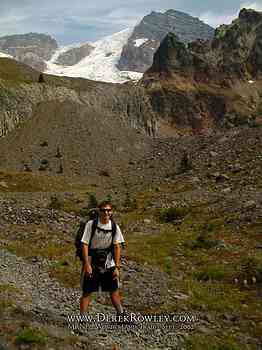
(100, 65)
(2, 54)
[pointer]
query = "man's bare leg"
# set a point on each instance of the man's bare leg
(84, 303)
(116, 301)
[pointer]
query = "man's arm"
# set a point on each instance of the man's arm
(86, 263)
(117, 256)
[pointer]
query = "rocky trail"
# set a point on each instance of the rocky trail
(50, 304)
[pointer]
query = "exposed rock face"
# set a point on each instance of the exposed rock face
(137, 54)
(74, 55)
(236, 48)
(32, 60)
(32, 48)
(234, 53)
(172, 55)
(208, 84)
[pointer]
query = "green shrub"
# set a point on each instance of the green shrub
(250, 267)
(104, 173)
(204, 238)
(212, 273)
(185, 164)
(55, 203)
(173, 213)
(130, 203)
(202, 241)
(92, 201)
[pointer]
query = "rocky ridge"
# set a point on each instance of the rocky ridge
(32, 48)
(233, 53)
(74, 55)
(137, 54)
(208, 84)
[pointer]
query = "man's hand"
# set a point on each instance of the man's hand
(87, 269)
(116, 273)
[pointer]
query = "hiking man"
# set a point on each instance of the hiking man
(101, 258)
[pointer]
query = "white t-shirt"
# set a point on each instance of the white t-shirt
(101, 239)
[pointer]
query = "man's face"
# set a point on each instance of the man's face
(105, 213)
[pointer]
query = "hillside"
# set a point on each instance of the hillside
(197, 224)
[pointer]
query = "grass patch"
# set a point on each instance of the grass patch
(204, 238)
(8, 288)
(31, 336)
(31, 182)
(156, 250)
(200, 342)
(31, 248)
(66, 272)
(5, 304)
(218, 297)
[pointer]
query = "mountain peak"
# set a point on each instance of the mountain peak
(153, 28)
(250, 15)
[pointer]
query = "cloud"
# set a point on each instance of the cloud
(252, 5)
(90, 20)
(215, 20)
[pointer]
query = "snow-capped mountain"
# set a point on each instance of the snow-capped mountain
(117, 58)
(100, 64)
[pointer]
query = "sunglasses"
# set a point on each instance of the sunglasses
(105, 210)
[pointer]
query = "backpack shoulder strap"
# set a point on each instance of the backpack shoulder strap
(113, 230)
(93, 229)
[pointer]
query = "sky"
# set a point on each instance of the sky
(80, 21)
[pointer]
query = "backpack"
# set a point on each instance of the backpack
(79, 235)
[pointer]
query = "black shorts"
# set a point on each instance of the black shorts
(92, 283)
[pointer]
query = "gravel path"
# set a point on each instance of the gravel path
(51, 303)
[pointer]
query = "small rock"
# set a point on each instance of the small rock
(221, 177)
(249, 204)
(226, 190)
(204, 330)
(181, 296)
(213, 154)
